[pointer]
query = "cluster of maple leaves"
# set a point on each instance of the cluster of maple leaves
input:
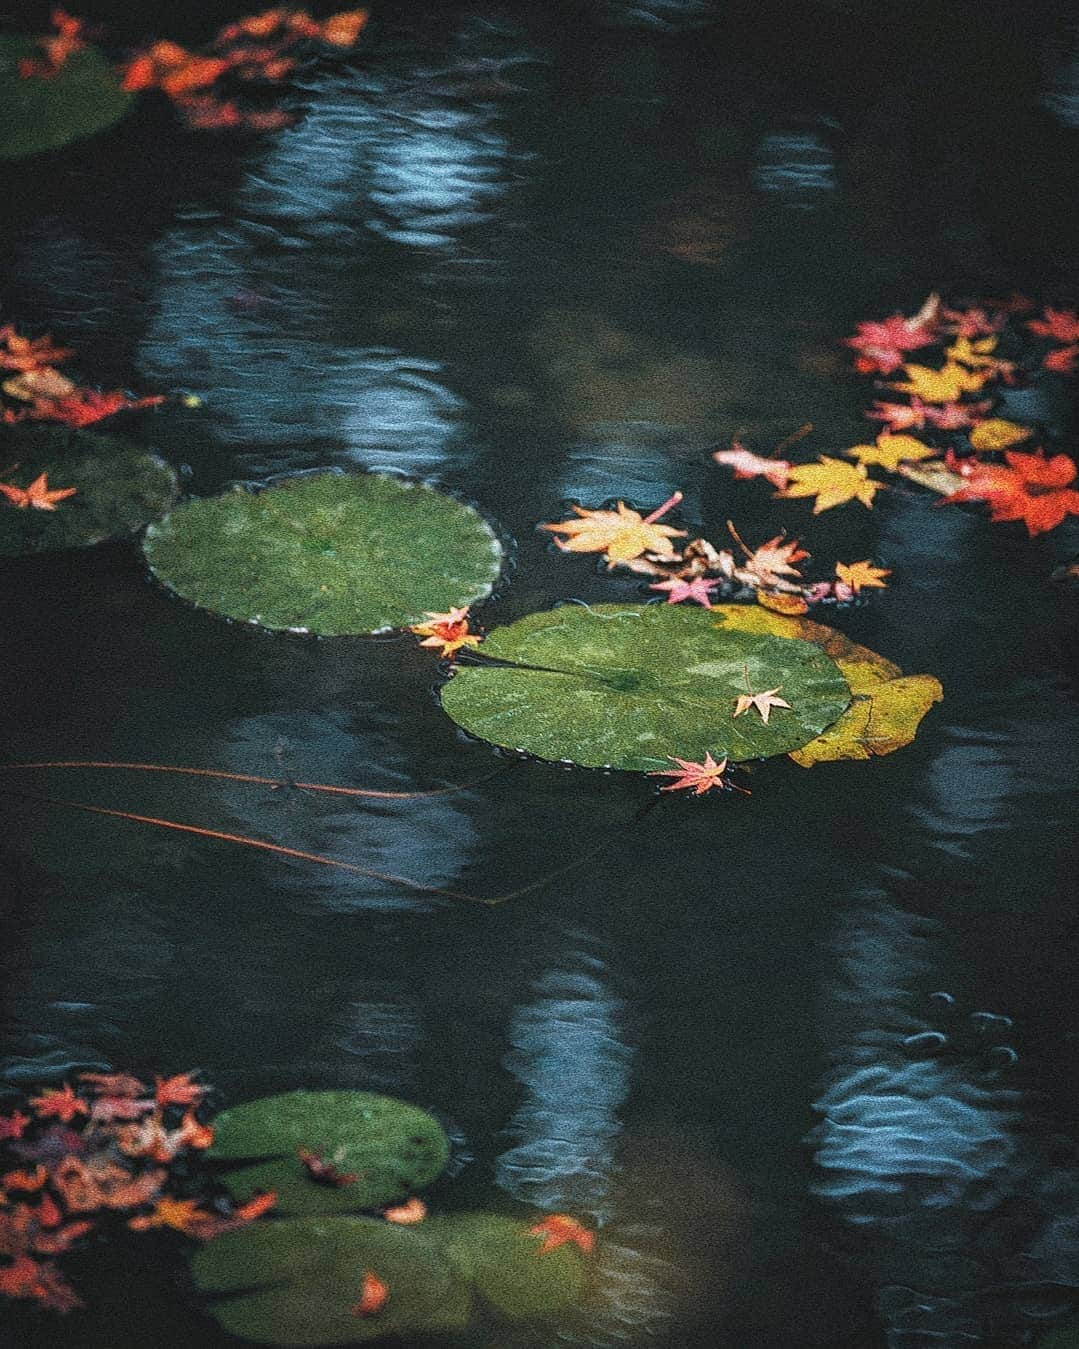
(84, 1155)
(962, 450)
(259, 48)
(113, 1146)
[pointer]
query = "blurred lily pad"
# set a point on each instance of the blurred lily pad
(119, 486)
(297, 1282)
(81, 98)
(507, 1265)
(628, 686)
(328, 553)
(392, 1148)
(1064, 1336)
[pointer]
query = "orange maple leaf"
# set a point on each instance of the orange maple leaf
(62, 1103)
(859, 575)
(25, 1180)
(38, 494)
(13, 1125)
(701, 777)
(178, 1090)
(1030, 488)
(413, 1210)
(449, 631)
(183, 1215)
(559, 1229)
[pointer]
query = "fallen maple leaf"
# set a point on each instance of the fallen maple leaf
(374, 1295)
(27, 1181)
(38, 495)
(62, 1102)
(701, 777)
(449, 631)
(413, 1211)
(1062, 325)
(86, 406)
(860, 575)
(945, 385)
(746, 464)
(559, 1229)
(763, 702)
(180, 1214)
(13, 1125)
(27, 1278)
(26, 353)
(114, 1084)
(55, 48)
(178, 1090)
(677, 590)
(974, 322)
(99, 1183)
(1031, 488)
(997, 434)
(890, 451)
(832, 482)
(880, 344)
(783, 603)
(105, 1109)
(621, 534)
(1062, 361)
(978, 355)
(916, 415)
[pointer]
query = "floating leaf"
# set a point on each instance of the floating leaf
(997, 434)
(118, 488)
(630, 686)
(298, 1282)
(328, 553)
(945, 385)
(81, 98)
(391, 1147)
(508, 1265)
(832, 482)
(891, 451)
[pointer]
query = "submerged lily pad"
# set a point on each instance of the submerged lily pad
(508, 1266)
(297, 1282)
(120, 487)
(327, 553)
(392, 1148)
(83, 97)
(628, 686)
(886, 706)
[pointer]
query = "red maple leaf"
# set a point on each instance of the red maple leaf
(62, 1103)
(86, 406)
(179, 1090)
(14, 1125)
(114, 1084)
(559, 1229)
(1062, 361)
(881, 344)
(1062, 325)
(1030, 488)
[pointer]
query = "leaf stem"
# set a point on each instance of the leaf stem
(672, 500)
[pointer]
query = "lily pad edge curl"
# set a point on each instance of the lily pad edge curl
(578, 684)
(81, 99)
(326, 552)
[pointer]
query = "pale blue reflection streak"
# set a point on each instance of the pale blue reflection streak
(796, 166)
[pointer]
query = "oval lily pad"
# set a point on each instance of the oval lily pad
(328, 553)
(392, 1148)
(508, 1265)
(119, 486)
(83, 97)
(297, 1282)
(629, 686)
(886, 706)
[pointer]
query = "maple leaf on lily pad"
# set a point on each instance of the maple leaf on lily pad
(78, 99)
(328, 553)
(388, 1147)
(110, 488)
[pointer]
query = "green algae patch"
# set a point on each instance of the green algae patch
(83, 97)
(298, 1282)
(326, 553)
(629, 686)
(120, 487)
(392, 1148)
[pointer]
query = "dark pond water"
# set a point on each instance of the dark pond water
(810, 1057)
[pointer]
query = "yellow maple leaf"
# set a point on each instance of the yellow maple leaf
(945, 385)
(621, 534)
(832, 482)
(858, 575)
(891, 451)
(973, 354)
(997, 434)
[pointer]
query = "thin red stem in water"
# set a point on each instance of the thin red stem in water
(672, 500)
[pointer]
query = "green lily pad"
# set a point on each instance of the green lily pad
(629, 686)
(120, 487)
(83, 97)
(886, 706)
(508, 1265)
(297, 1282)
(328, 553)
(393, 1148)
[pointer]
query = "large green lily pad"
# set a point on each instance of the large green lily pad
(120, 488)
(393, 1148)
(83, 97)
(886, 706)
(328, 553)
(508, 1265)
(297, 1282)
(629, 686)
